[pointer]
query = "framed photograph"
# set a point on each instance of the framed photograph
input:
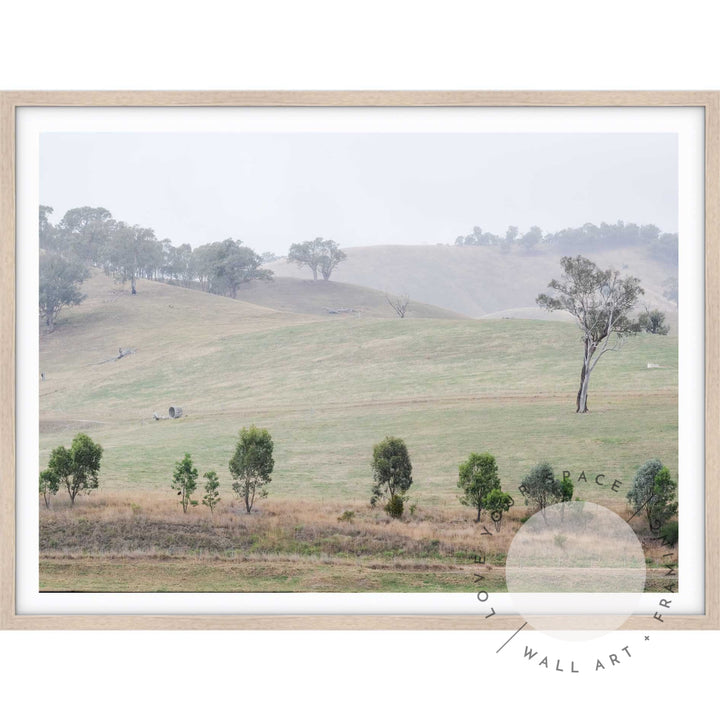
(360, 360)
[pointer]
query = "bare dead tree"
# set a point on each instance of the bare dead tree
(398, 303)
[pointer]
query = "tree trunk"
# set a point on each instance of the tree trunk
(581, 405)
(478, 517)
(132, 286)
(247, 500)
(583, 392)
(314, 273)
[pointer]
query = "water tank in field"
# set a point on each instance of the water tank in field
(175, 412)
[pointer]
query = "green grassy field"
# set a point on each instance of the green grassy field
(328, 387)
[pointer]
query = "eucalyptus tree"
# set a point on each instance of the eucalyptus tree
(600, 301)
(318, 255)
(76, 468)
(252, 464)
(59, 285)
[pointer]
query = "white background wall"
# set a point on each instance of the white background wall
(456, 44)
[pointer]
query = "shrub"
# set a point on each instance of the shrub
(395, 506)
(49, 485)
(669, 533)
(540, 487)
(347, 516)
(212, 494)
(478, 476)
(653, 322)
(392, 470)
(663, 505)
(497, 502)
(185, 481)
(653, 491)
(640, 493)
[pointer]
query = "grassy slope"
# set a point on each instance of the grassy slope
(477, 281)
(329, 387)
(311, 297)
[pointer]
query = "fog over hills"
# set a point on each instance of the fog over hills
(480, 281)
(303, 295)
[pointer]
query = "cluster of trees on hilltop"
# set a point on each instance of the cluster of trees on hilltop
(88, 237)
(662, 246)
(91, 237)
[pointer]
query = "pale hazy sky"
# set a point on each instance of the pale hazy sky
(271, 190)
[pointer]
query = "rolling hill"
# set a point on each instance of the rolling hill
(328, 387)
(299, 295)
(479, 281)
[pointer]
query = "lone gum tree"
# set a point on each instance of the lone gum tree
(600, 301)
(252, 464)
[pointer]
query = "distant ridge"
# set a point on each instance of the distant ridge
(478, 281)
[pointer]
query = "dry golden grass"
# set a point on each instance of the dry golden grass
(297, 545)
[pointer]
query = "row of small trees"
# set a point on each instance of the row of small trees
(77, 468)
(653, 490)
(251, 467)
(478, 479)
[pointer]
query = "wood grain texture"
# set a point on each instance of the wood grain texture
(712, 361)
(7, 361)
(9, 101)
(361, 98)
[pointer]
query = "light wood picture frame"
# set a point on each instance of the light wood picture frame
(11, 617)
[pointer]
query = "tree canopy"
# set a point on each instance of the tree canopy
(392, 469)
(478, 476)
(59, 285)
(541, 488)
(49, 485)
(317, 254)
(212, 495)
(653, 322)
(224, 266)
(185, 481)
(497, 503)
(76, 468)
(85, 232)
(653, 492)
(585, 238)
(131, 251)
(252, 464)
(90, 237)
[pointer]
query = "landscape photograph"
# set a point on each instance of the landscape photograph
(352, 362)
